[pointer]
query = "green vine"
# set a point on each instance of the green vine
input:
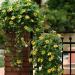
(46, 54)
(17, 18)
(24, 17)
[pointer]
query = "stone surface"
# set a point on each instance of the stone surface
(1, 71)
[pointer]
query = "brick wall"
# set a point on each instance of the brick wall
(9, 70)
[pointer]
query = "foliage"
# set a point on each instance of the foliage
(20, 14)
(24, 16)
(62, 15)
(46, 54)
(16, 19)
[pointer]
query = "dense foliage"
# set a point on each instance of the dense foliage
(20, 15)
(16, 19)
(46, 54)
(25, 16)
(62, 15)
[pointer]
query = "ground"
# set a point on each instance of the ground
(1, 71)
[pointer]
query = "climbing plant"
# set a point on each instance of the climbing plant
(46, 54)
(25, 16)
(17, 18)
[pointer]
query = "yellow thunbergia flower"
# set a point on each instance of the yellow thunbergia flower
(53, 69)
(28, 4)
(13, 17)
(54, 31)
(32, 20)
(3, 11)
(37, 11)
(34, 52)
(51, 58)
(43, 52)
(49, 70)
(40, 60)
(55, 46)
(11, 22)
(6, 18)
(19, 16)
(37, 29)
(29, 0)
(22, 11)
(10, 9)
(41, 37)
(18, 62)
(26, 27)
(22, 38)
(47, 41)
(27, 17)
(49, 53)
(33, 42)
(35, 14)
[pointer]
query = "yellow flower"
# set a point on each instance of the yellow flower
(32, 20)
(13, 17)
(6, 18)
(27, 17)
(55, 46)
(22, 38)
(47, 41)
(34, 52)
(3, 11)
(51, 58)
(22, 11)
(26, 27)
(30, 60)
(49, 70)
(43, 52)
(29, 0)
(53, 69)
(26, 45)
(28, 4)
(35, 14)
(37, 11)
(37, 29)
(49, 53)
(40, 60)
(54, 31)
(11, 22)
(33, 42)
(18, 62)
(10, 8)
(41, 37)
(19, 16)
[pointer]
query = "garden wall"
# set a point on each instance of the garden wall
(25, 70)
